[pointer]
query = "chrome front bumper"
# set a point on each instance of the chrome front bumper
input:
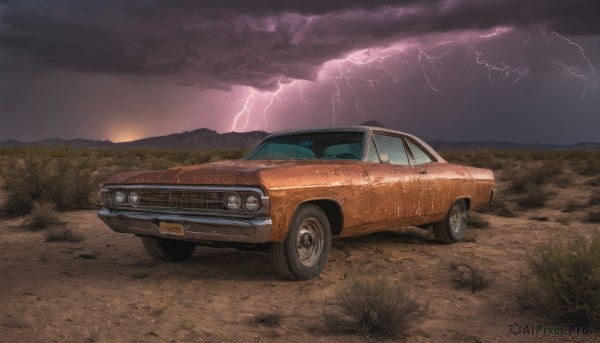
(196, 228)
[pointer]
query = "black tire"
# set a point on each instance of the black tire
(168, 250)
(452, 228)
(304, 251)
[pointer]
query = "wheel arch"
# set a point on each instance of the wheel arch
(465, 198)
(333, 211)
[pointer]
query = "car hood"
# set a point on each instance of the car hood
(216, 173)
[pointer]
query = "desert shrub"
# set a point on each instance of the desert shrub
(470, 236)
(572, 206)
(373, 308)
(477, 221)
(590, 167)
(43, 216)
(595, 199)
(476, 158)
(465, 275)
(565, 220)
(493, 206)
(593, 217)
(62, 234)
(564, 181)
(539, 218)
(267, 319)
(521, 181)
(563, 281)
(506, 212)
(535, 198)
(65, 180)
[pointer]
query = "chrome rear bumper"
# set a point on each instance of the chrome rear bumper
(196, 228)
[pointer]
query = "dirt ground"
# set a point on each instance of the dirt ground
(106, 288)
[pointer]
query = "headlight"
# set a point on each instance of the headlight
(233, 202)
(119, 197)
(133, 198)
(252, 203)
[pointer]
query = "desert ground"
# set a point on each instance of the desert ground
(107, 289)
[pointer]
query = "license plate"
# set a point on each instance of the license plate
(169, 228)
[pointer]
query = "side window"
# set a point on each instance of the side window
(350, 151)
(391, 150)
(372, 152)
(421, 157)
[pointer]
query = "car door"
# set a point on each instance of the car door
(440, 180)
(395, 185)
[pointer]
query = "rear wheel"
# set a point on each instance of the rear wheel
(452, 228)
(169, 250)
(305, 250)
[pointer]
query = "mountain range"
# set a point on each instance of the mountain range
(206, 138)
(201, 138)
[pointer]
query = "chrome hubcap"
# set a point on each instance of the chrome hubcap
(309, 241)
(456, 218)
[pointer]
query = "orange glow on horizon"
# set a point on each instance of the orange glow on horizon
(125, 135)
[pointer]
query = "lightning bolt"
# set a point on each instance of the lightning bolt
(509, 74)
(274, 96)
(581, 50)
(576, 71)
(400, 62)
(498, 32)
(245, 111)
(345, 76)
(425, 59)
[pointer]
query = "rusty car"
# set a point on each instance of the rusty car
(295, 192)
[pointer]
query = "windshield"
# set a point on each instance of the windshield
(314, 145)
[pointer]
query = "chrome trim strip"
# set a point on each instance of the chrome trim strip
(186, 188)
(264, 211)
(196, 228)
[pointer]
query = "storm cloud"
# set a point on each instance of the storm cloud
(219, 44)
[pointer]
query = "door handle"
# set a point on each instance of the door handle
(423, 171)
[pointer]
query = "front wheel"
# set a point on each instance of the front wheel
(168, 250)
(452, 228)
(305, 250)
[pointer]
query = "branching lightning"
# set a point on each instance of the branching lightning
(368, 67)
(575, 71)
(508, 74)
(245, 111)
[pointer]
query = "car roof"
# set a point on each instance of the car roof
(363, 129)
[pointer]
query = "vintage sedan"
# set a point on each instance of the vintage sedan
(296, 191)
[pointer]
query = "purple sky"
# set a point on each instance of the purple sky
(503, 70)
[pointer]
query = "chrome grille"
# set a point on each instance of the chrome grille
(182, 199)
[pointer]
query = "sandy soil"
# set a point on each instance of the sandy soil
(106, 289)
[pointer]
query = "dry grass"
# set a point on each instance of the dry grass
(590, 167)
(465, 275)
(373, 308)
(65, 180)
(595, 182)
(572, 207)
(563, 281)
(267, 319)
(531, 177)
(506, 212)
(70, 177)
(62, 234)
(43, 216)
(535, 198)
(595, 199)
(593, 217)
(539, 218)
(477, 221)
